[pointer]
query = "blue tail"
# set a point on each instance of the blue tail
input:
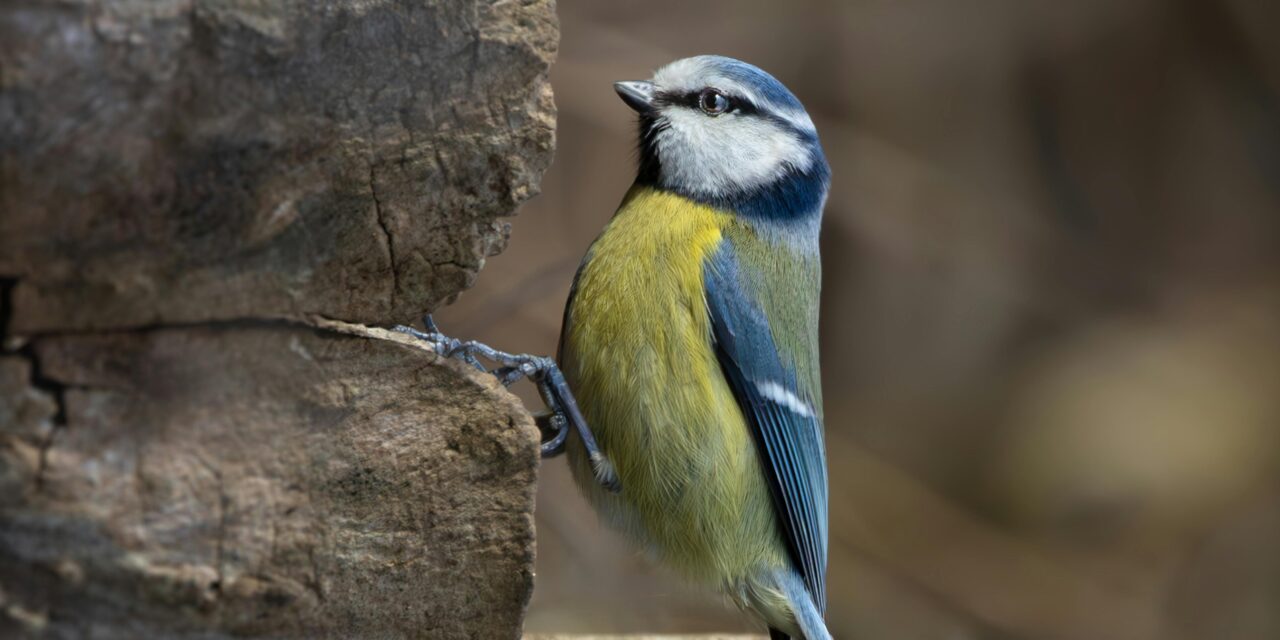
(808, 618)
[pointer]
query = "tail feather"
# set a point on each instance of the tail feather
(806, 613)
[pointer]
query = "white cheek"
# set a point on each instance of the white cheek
(702, 154)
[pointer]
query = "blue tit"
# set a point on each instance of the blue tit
(690, 342)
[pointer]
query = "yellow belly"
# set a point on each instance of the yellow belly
(637, 353)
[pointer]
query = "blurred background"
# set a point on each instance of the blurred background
(1050, 310)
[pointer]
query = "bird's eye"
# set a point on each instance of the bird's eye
(712, 102)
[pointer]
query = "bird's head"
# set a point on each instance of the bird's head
(726, 133)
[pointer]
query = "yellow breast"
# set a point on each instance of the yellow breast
(638, 356)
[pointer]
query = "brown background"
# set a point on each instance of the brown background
(1049, 318)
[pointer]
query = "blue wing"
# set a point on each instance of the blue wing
(784, 418)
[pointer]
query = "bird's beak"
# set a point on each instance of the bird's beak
(638, 94)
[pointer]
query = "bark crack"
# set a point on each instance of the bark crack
(387, 240)
(6, 309)
(313, 580)
(55, 389)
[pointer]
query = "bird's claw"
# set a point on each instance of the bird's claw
(546, 375)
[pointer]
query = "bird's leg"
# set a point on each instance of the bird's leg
(545, 374)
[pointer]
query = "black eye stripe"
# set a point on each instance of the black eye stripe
(690, 99)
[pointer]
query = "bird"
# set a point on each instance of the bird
(690, 343)
(686, 388)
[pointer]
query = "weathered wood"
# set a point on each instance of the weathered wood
(183, 161)
(269, 480)
(187, 189)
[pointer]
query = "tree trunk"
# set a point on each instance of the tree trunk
(203, 203)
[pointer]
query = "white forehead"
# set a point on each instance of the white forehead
(692, 74)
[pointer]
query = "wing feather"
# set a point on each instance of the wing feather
(787, 428)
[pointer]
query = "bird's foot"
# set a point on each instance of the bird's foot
(545, 375)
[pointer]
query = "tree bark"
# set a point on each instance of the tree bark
(203, 203)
